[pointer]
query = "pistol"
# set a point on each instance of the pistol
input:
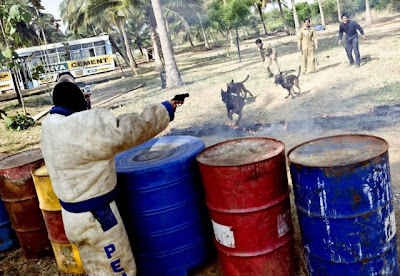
(180, 97)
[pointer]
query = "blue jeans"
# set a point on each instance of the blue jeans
(350, 45)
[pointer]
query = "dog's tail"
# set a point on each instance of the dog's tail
(245, 79)
(298, 74)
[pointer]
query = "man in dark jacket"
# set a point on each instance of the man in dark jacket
(350, 27)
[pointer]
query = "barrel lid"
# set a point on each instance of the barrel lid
(240, 152)
(338, 150)
(21, 159)
(158, 152)
(42, 171)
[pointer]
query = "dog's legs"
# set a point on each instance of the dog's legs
(247, 91)
(240, 117)
(298, 86)
(288, 94)
(230, 114)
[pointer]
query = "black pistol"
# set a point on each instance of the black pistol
(180, 97)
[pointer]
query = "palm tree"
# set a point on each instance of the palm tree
(259, 6)
(296, 18)
(173, 75)
(321, 11)
(283, 17)
(203, 32)
(368, 17)
(115, 12)
(338, 10)
(157, 52)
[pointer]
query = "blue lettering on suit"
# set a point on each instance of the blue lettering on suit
(116, 264)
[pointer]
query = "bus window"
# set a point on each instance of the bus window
(61, 50)
(36, 54)
(76, 54)
(87, 53)
(100, 51)
(99, 43)
(64, 57)
(53, 58)
(87, 45)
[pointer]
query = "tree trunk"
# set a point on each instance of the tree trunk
(237, 44)
(119, 50)
(259, 8)
(296, 18)
(157, 54)
(230, 33)
(169, 35)
(283, 18)
(368, 17)
(203, 32)
(339, 12)
(132, 62)
(321, 11)
(18, 91)
(173, 75)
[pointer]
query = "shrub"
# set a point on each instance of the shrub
(19, 122)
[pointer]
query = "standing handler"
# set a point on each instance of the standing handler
(268, 55)
(78, 147)
(350, 27)
(307, 42)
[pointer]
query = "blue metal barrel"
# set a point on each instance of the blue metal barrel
(7, 235)
(344, 203)
(162, 205)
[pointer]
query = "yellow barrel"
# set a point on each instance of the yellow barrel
(67, 255)
(68, 258)
(47, 198)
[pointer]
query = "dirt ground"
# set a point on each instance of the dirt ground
(337, 99)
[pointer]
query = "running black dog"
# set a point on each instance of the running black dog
(288, 82)
(234, 104)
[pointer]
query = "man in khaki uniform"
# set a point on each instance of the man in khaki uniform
(267, 55)
(306, 44)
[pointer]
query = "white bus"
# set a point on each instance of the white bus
(80, 58)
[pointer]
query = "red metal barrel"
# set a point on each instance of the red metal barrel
(247, 194)
(19, 196)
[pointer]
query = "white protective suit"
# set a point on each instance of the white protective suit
(79, 153)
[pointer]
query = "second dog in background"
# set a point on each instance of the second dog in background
(288, 82)
(238, 88)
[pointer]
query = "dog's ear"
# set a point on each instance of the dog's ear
(232, 81)
(280, 73)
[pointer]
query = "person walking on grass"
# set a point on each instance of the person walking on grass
(350, 28)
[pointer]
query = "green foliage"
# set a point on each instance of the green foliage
(37, 71)
(232, 16)
(303, 11)
(236, 13)
(18, 122)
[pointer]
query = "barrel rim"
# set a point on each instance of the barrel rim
(45, 174)
(3, 162)
(336, 136)
(244, 164)
(169, 161)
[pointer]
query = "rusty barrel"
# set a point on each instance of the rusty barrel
(19, 196)
(67, 255)
(344, 203)
(247, 195)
